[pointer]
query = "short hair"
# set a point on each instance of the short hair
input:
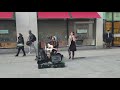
(20, 34)
(30, 31)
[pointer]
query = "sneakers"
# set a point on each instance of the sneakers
(69, 57)
(29, 53)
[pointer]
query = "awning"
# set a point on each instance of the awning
(53, 15)
(6, 15)
(85, 15)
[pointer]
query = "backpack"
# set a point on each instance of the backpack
(34, 38)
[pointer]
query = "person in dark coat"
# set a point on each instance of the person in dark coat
(108, 37)
(72, 45)
(32, 45)
(20, 45)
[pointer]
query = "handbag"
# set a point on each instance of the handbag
(28, 43)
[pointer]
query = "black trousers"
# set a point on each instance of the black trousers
(73, 53)
(19, 49)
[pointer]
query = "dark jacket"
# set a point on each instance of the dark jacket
(31, 37)
(20, 40)
(106, 38)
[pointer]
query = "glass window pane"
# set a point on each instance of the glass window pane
(109, 16)
(85, 33)
(116, 33)
(116, 16)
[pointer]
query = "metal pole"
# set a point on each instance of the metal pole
(113, 27)
(67, 28)
(39, 43)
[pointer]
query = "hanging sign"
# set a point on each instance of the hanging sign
(82, 31)
(4, 31)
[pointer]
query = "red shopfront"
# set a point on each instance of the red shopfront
(60, 24)
(7, 30)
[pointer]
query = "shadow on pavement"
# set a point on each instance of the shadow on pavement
(76, 58)
(79, 57)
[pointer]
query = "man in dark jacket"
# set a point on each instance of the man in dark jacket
(32, 39)
(108, 37)
(20, 44)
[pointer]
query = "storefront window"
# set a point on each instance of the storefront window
(116, 26)
(108, 26)
(116, 33)
(7, 34)
(116, 16)
(85, 31)
(108, 16)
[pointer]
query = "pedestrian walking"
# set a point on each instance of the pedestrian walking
(20, 45)
(31, 40)
(72, 45)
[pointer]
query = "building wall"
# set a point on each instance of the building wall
(26, 21)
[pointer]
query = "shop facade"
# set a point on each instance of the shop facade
(60, 24)
(8, 34)
(88, 27)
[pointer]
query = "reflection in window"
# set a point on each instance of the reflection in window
(86, 34)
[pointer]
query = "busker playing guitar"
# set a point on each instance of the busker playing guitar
(52, 46)
(50, 58)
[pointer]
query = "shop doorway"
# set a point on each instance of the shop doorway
(85, 33)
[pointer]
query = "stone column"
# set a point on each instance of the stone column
(26, 21)
(99, 31)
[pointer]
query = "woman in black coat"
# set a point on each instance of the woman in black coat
(72, 45)
(20, 44)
